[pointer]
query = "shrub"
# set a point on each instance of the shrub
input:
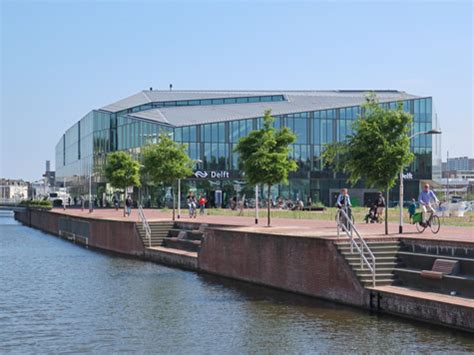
(41, 204)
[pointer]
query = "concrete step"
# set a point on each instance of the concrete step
(393, 248)
(354, 259)
(366, 277)
(372, 244)
(376, 254)
(183, 244)
(386, 282)
(188, 234)
(380, 270)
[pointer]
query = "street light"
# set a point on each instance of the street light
(430, 132)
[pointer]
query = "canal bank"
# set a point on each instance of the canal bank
(312, 265)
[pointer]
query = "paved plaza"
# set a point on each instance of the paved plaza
(284, 226)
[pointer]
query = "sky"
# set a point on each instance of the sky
(61, 59)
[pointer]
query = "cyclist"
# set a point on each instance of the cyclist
(344, 201)
(425, 198)
(191, 199)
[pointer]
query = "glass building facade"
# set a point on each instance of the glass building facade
(210, 139)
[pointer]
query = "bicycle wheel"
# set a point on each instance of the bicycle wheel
(419, 227)
(435, 224)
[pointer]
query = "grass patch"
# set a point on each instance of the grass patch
(330, 213)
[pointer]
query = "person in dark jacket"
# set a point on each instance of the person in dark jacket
(129, 204)
(380, 204)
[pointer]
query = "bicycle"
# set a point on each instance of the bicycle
(340, 218)
(433, 222)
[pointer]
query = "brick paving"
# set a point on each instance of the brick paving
(286, 226)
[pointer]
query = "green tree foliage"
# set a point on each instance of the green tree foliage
(377, 149)
(265, 155)
(121, 171)
(166, 162)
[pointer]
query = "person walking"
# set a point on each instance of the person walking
(129, 204)
(412, 208)
(116, 202)
(82, 202)
(380, 204)
(425, 198)
(202, 204)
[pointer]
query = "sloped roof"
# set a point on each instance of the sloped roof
(296, 101)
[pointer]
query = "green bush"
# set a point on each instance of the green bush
(44, 204)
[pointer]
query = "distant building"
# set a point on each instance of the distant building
(458, 167)
(13, 190)
(49, 176)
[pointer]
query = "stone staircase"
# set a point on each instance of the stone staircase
(159, 231)
(187, 237)
(416, 262)
(386, 257)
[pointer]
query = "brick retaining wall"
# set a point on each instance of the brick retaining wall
(309, 266)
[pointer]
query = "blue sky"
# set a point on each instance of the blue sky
(59, 60)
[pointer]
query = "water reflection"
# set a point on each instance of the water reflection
(57, 297)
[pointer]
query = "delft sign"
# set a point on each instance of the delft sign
(408, 176)
(222, 174)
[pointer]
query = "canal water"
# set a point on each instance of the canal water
(59, 297)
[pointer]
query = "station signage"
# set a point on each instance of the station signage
(408, 176)
(213, 174)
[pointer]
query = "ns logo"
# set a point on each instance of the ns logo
(200, 174)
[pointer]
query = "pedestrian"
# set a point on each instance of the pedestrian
(129, 204)
(82, 202)
(116, 202)
(380, 204)
(202, 204)
(412, 208)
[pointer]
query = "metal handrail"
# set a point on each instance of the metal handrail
(363, 245)
(145, 224)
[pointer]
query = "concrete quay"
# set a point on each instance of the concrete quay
(301, 256)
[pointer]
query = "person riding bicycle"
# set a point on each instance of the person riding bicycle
(192, 204)
(425, 198)
(344, 202)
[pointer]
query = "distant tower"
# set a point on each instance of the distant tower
(171, 87)
(48, 165)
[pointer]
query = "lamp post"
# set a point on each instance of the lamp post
(430, 132)
(256, 204)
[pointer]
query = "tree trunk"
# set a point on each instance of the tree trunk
(268, 205)
(386, 211)
(172, 189)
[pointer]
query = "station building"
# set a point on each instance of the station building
(210, 123)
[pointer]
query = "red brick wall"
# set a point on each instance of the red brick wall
(304, 265)
(115, 236)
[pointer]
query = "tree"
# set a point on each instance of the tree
(377, 149)
(122, 171)
(166, 162)
(265, 155)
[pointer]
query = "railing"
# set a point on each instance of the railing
(145, 224)
(345, 224)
